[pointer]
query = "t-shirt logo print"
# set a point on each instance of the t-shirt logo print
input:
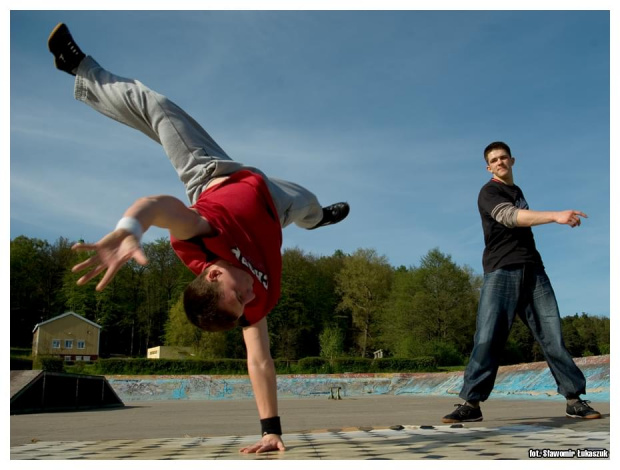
(262, 277)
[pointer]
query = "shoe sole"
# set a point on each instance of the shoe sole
(594, 416)
(449, 421)
(54, 31)
(326, 224)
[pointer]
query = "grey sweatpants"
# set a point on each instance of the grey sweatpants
(195, 156)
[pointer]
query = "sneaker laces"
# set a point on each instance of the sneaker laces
(459, 407)
(583, 404)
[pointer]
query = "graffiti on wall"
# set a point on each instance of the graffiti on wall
(521, 381)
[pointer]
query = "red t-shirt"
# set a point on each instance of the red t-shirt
(249, 236)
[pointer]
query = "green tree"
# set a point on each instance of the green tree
(586, 335)
(58, 259)
(572, 340)
(432, 309)
(114, 309)
(446, 302)
(292, 321)
(178, 329)
(36, 271)
(164, 278)
(329, 305)
(364, 284)
(332, 342)
(180, 332)
(602, 327)
(520, 346)
(27, 308)
(398, 322)
(79, 299)
(326, 298)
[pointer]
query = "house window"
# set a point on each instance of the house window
(81, 344)
(67, 358)
(55, 344)
(68, 344)
(86, 358)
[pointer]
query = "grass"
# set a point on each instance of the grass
(21, 352)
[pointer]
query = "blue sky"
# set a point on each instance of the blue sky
(388, 110)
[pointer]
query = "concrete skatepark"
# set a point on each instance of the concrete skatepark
(367, 425)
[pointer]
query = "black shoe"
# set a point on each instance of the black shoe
(333, 214)
(67, 54)
(581, 409)
(463, 414)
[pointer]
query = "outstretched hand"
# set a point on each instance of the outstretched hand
(570, 217)
(268, 443)
(112, 252)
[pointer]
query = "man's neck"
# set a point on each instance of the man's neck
(506, 182)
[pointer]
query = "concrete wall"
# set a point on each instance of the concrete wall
(519, 381)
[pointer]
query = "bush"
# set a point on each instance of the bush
(395, 364)
(307, 365)
(49, 363)
(313, 365)
(171, 366)
(285, 366)
(82, 367)
(512, 354)
(77, 368)
(444, 352)
(359, 365)
(21, 363)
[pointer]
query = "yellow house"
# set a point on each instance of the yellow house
(69, 335)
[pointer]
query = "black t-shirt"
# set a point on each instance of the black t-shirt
(504, 246)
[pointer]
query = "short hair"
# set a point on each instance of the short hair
(494, 146)
(201, 302)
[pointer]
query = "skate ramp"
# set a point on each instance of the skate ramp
(34, 391)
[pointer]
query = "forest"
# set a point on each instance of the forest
(342, 305)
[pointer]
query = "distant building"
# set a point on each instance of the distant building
(170, 352)
(69, 336)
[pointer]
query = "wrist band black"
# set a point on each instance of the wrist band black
(271, 426)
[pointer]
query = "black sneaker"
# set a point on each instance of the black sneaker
(581, 409)
(463, 414)
(67, 54)
(333, 214)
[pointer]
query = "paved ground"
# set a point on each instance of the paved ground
(373, 427)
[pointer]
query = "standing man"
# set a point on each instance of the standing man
(230, 236)
(515, 282)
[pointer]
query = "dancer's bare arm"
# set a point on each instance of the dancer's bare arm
(263, 377)
(529, 218)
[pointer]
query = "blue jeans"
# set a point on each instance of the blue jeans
(524, 290)
(195, 156)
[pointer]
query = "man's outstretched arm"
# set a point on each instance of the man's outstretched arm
(263, 377)
(529, 218)
(123, 244)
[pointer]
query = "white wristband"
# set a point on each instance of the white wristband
(132, 225)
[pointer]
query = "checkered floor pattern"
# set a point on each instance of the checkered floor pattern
(456, 442)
